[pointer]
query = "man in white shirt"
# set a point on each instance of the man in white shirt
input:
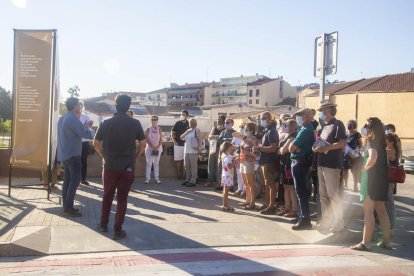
(85, 145)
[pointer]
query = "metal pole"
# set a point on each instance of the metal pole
(322, 79)
(52, 101)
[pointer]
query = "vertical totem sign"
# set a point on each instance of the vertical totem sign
(35, 101)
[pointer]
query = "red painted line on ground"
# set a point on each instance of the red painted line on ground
(377, 271)
(170, 258)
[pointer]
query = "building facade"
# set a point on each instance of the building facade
(187, 95)
(389, 98)
(269, 92)
(229, 90)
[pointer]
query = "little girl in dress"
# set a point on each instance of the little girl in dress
(227, 173)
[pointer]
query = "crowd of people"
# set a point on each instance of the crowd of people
(285, 161)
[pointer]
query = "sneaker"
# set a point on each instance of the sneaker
(103, 228)
(184, 183)
(119, 235)
(190, 184)
(158, 181)
(84, 182)
(72, 212)
(302, 225)
(146, 182)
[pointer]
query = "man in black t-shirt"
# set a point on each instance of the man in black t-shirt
(179, 129)
(329, 161)
(115, 142)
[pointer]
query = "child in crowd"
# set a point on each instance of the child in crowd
(237, 140)
(227, 173)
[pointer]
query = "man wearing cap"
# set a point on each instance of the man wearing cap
(301, 155)
(329, 162)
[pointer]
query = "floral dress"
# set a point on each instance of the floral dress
(227, 172)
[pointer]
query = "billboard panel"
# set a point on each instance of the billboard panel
(33, 62)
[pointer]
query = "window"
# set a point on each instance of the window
(257, 101)
(257, 92)
(250, 101)
(250, 93)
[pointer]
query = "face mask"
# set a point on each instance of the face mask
(299, 120)
(322, 116)
(350, 127)
(263, 123)
(388, 131)
(247, 133)
(241, 130)
(364, 131)
(227, 126)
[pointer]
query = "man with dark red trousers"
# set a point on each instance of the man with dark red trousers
(115, 142)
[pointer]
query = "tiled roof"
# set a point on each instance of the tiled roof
(389, 83)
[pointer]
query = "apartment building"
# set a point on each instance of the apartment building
(189, 94)
(269, 92)
(229, 90)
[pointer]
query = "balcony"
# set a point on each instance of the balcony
(180, 100)
(229, 94)
(183, 91)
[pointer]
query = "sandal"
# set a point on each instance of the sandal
(360, 247)
(261, 207)
(290, 214)
(383, 246)
(242, 204)
(268, 211)
(237, 193)
(250, 207)
(282, 212)
(227, 209)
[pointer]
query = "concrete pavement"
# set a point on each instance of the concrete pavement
(166, 217)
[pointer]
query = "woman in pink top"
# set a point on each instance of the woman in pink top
(153, 149)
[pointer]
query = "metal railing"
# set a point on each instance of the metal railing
(5, 141)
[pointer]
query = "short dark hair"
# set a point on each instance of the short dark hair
(123, 102)
(222, 117)
(390, 126)
(185, 111)
(71, 103)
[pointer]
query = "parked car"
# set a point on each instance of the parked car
(409, 164)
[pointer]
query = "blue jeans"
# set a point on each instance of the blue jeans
(71, 181)
(300, 172)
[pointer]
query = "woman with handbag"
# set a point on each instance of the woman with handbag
(393, 159)
(192, 138)
(286, 179)
(376, 169)
(153, 150)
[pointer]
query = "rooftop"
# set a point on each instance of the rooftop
(403, 82)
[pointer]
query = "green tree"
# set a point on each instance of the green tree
(5, 126)
(74, 91)
(5, 104)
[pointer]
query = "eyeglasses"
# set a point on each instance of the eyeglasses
(154, 120)
(228, 122)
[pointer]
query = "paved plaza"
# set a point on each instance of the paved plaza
(175, 230)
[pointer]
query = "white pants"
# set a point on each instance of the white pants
(331, 202)
(152, 160)
(240, 183)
